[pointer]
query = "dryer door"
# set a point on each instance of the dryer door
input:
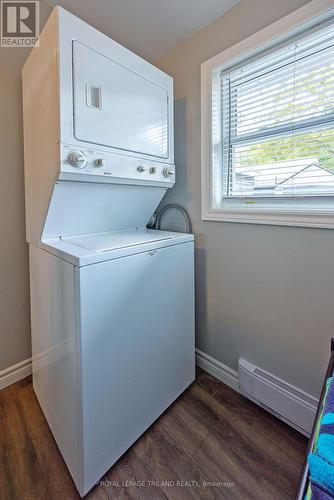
(116, 107)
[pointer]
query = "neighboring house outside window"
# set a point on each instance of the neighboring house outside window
(268, 136)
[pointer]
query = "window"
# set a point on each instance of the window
(272, 132)
(278, 122)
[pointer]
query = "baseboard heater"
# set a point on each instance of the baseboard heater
(285, 401)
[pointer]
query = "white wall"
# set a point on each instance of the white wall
(263, 292)
(14, 271)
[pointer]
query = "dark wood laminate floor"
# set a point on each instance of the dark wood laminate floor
(210, 434)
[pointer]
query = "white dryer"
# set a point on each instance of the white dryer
(112, 302)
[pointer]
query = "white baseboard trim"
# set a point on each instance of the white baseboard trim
(230, 378)
(217, 369)
(15, 373)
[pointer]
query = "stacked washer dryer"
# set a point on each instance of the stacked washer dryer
(112, 303)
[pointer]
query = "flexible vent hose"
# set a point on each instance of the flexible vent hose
(158, 216)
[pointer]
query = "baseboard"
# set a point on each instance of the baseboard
(217, 369)
(15, 373)
(230, 378)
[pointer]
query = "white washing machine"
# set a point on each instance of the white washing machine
(112, 302)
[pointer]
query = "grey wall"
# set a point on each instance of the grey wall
(14, 271)
(263, 292)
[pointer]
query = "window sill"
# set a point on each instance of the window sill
(308, 218)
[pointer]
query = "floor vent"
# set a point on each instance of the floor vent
(283, 400)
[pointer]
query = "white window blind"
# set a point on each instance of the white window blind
(277, 122)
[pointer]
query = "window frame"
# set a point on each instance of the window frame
(307, 214)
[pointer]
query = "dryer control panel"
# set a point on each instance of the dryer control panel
(92, 162)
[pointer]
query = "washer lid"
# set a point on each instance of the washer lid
(104, 242)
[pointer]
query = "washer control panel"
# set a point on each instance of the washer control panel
(98, 163)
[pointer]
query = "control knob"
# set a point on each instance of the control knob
(141, 169)
(167, 172)
(77, 159)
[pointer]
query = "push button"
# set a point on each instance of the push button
(100, 162)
